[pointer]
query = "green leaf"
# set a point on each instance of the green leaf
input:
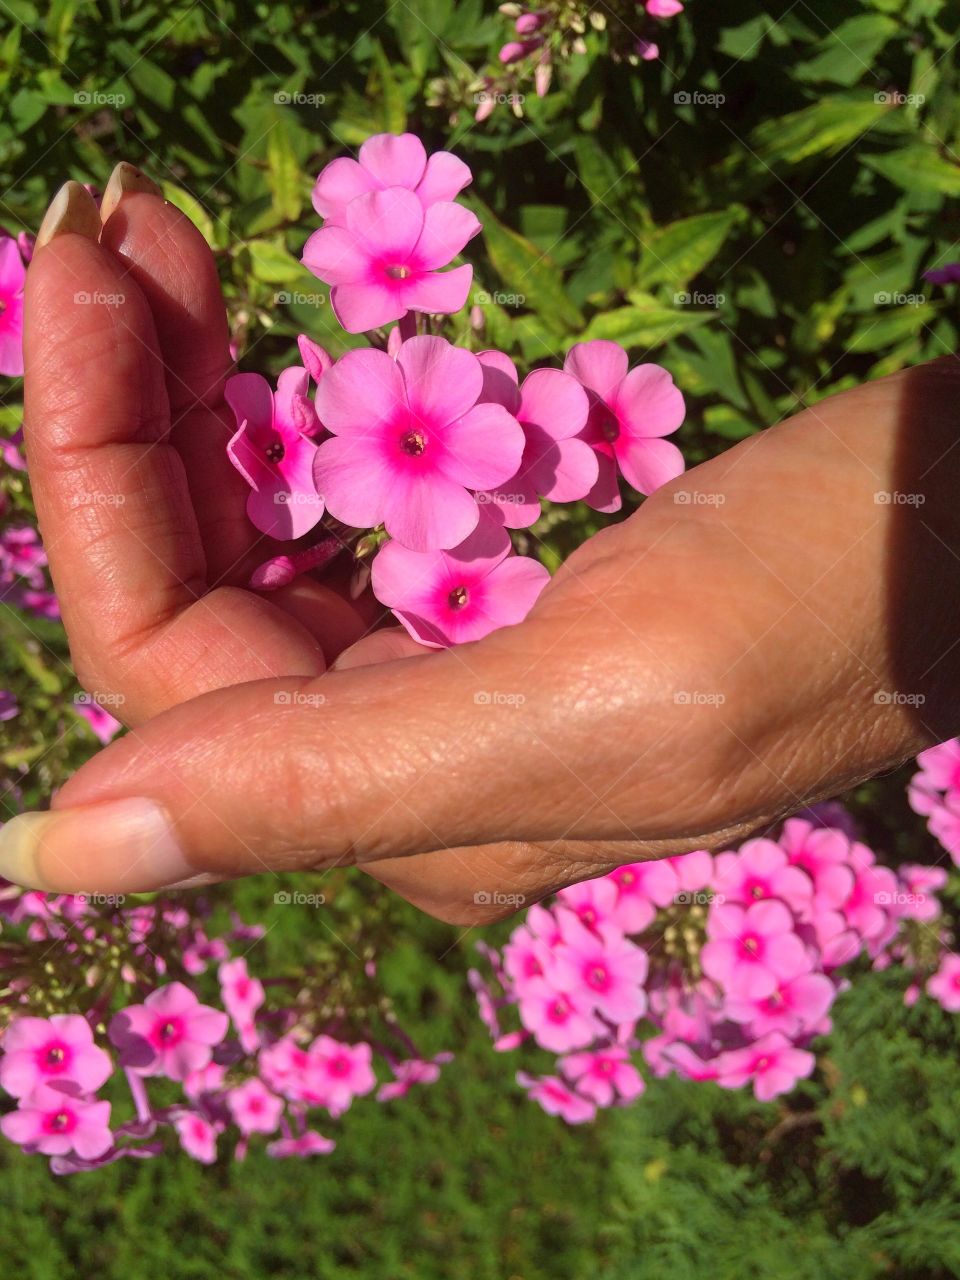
(850, 49)
(191, 206)
(283, 174)
(918, 168)
(643, 326)
(394, 105)
(827, 126)
(526, 271)
(273, 263)
(888, 327)
(676, 253)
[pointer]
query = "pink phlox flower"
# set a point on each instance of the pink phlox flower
(760, 870)
(604, 1075)
(273, 451)
(254, 1108)
(339, 1073)
(602, 971)
(748, 950)
(631, 411)
(944, 986)
(53, 1121)
(795, 1004)
(39, 1051)
(13, 276)
(412, 1071)
(388, 160)
(170, 1034)
(310, 1143)
(198, 1136)
(772, 1064)
(556, 1019)
(557, 1098)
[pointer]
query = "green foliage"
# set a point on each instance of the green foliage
(755, 212)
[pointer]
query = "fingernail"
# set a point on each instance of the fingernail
(73, 208)
(125, 179)
(114, 847)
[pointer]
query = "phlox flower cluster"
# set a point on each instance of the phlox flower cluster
(23, 579)
(420, 451)
(245, 1065)
(934, 792)
(714, 968)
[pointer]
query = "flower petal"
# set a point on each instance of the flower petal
(555, 402)
(446, 229)
(388, 223)
(360, 307)
(360, 392)
(337, 184)
(349, 475)
(648, 403)
(394, 160)
(599, 365)
(336, 256)
(444, 178)
(441, 381)
(439, 292)
(427, 512)
(483, 448)
(647, 464)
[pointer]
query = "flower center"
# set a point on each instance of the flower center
(340, 1067)
(757, 891)
(167, 1031)
(56, 1056)
(275, 451)
(413, 443)
(609, 427)
(751, 946)
(597, 976)
(606, 1066)
(398, 273)
(458, 597)
(60, 1121)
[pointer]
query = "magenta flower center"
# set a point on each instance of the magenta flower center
(558, 1011)
(605, 1067)
(757, 889)
(60, 1122)
(339, 1066)
(750, 945)
(55, 1057)
(458, 597)
(413, 443)
(400, 272)
(275, 451)
(167, 1033)
(762, 1064)
(610, 426)
(588, 915)
(627, 878)
(598, 976)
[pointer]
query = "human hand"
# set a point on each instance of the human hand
(762, 633)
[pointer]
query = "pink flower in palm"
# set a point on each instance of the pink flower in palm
(604, 1075)
(104, 725)
(310, 1143)
(242, 995)
(272, 451)
(55, 1122)
(339, 1073)
(409, 440)
(388, 160)
(557, 1098)
(451, 597)
(602, 971)
(772, 1064)
(556, 1020)
(254, 1108)
(749, 950)
(633, 909)
(171, 1034)
(387, 257)
(593, 902)
(12, 277)
(630, 413)
(552, 408)
(944, 986)
(198, 1136)
(38, 1051)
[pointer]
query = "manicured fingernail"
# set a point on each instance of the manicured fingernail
(125, 179)
(115, 847)
(73, 208)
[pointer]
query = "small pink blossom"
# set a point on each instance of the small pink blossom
(602, 971)
(13, 276)
(944, 986)
(310, 1143)
(273, 452)
(386, 258)
(759, 870)
(630, 413)
(39, 1051)
(388, 160)
(664, 8)
(749, 950)
(254, 1108)
(104, 725)
(198, 1137)
(410, 440)
(555, 1019)
(633, 910)
(412, 1071)
(340, 1072)
(54, 1123)
(170, 1034)
(795, 1004)
(557, 1098)
(604, 1075)
(772, 1064)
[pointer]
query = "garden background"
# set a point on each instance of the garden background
(752, 209)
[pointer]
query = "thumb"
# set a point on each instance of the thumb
(457, 748)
